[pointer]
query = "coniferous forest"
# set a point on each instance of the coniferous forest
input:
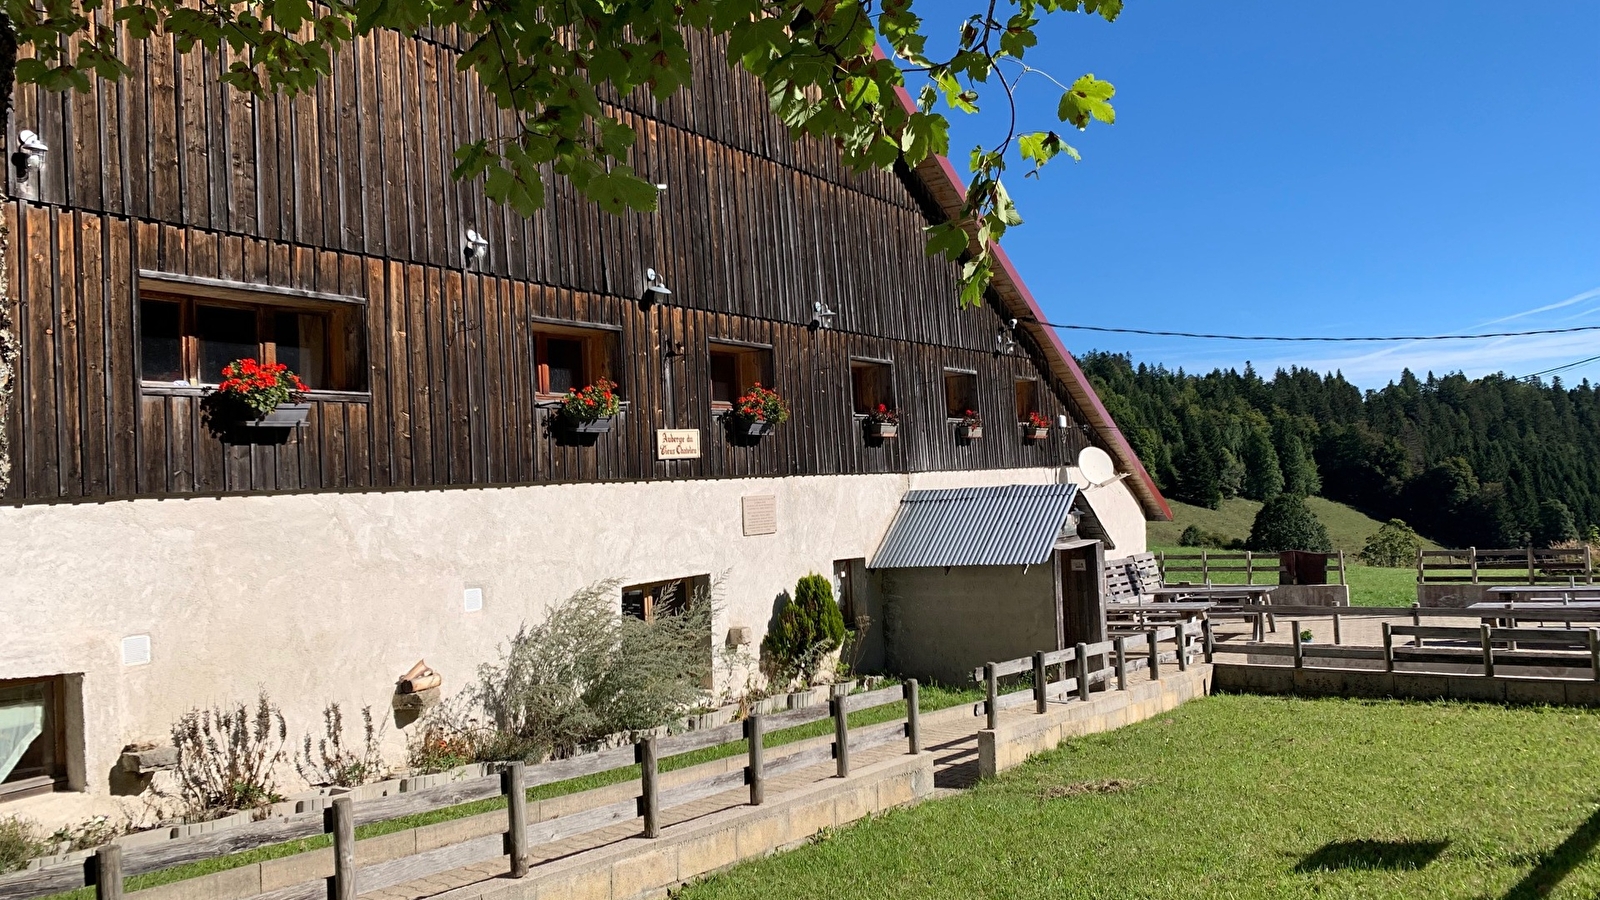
(1486, 462)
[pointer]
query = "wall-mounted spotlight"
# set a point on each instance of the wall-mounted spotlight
(821, 315)
(30, 153)
(1004, 342)
(474, 247)
(655, 288)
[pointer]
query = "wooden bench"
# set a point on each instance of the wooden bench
(1136, 598)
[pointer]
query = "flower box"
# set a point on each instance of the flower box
(970, 432)
(1035, 433)
(285, 415)
(884, 430)
(752, 427)
(596, 426)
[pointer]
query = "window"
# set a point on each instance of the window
(660, 598)
(187, 340)
(1027, 398)
(960, 392)
(570, 358)
(32, 736)
(871, 385)
(735, 370)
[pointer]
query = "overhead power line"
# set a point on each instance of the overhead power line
(1562, 368)
(1323, 339)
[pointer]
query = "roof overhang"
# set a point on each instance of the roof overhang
(948, 189)
(1005, 525)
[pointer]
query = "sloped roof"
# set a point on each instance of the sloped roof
(938, 175)
(1009, 525)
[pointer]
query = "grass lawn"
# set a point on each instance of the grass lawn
(1242, 797)
(1348, 527)
(1369, 585)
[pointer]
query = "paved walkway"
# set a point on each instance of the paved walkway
(951, 735)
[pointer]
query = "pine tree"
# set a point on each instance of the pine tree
(1286, 523)
(1263, 477)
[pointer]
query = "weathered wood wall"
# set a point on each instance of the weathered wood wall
(348, 191)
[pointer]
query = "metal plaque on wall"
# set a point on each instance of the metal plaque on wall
(760, 514)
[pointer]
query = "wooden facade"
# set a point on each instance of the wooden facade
(348, 192)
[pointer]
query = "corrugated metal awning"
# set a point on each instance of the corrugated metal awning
(1009, 525)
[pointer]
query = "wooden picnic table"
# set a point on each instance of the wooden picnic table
(1257, 593)
(1513, 591)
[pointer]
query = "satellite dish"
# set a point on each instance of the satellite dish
(1096, 466)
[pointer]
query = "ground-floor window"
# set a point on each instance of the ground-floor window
(871, 385)
(32, 736)
(658, 598)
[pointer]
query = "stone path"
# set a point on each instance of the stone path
(951, 735)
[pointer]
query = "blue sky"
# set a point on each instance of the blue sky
(1297, 168)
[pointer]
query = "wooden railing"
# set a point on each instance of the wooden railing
(1227, 567)
(1521, 566)
(1076, 660)
(112, 864)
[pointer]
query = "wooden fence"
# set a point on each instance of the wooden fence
(1486, 644)
(1229, 566)
(108, 868)
(1523, 566)
(1072, 665)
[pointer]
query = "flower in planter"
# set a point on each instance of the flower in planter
(592, 403)
(883, 414)
(971, 419)
(1038, 421)
(260, 386)
(761, 404)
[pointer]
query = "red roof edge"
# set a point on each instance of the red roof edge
(1007, 276)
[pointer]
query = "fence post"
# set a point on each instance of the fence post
(1472, 561)
(1161, 563)
(1594, 653)
(1337, 637)
(1422, 576)
(1388, 647)
(1531, 572)
(1341, 567)
(1155, 655)
(337, 821)
(1122, 662)
(1416, 622)
(1488, 650)
(913, 717)
(841, 737)
(1299, 651)
(1081, 653)
(1205, 567)
(1039, 682)
(1210, 645)
(108, 873)
(755, 773)
(991, 689)
(1249, 568)
(650, 790)
(1182, 637)
(511, 781)
(1588, 565)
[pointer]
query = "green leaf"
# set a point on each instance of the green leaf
(1088, 98)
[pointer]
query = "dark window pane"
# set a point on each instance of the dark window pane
(724, 378)
(1027, 399)
(633, 603)
(160, 341)
(226, 334)
(31, 708)
(960, 394)
(564, 359)
(302, 343)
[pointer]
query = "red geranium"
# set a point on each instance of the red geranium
(1035, 420)
(591, 403)
(261, 386)
(761, 404)
(883, 414)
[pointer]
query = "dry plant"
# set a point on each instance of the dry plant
(20, 841)
(335, 764)
(227, 757)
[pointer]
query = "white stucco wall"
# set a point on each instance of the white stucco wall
(330, 597)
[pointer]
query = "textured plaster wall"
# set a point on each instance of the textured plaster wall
(330, 597)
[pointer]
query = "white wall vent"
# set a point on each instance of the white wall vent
(472, 599)
(136, 650)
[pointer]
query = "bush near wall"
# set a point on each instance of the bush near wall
(808, 627)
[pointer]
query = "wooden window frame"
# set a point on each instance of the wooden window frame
(865, 362)
(598, 346)
(691, 584)
(971, 375)
(56, 731)
(341, 316)
(754, 364)
(1022, 414)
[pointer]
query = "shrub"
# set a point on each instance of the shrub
(1195, 536)
(20, 841)
(226, 757)
(809, 626)
(1555, 524)
(335, 764)
(1286, 523)
(1392, 546)
(586, 672)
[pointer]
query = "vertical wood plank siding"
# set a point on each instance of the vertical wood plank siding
(348, 191)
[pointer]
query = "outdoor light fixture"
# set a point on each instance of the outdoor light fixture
(474, 247)
(655, 288)
(30, 153)
(822, 315)
(1004, 343)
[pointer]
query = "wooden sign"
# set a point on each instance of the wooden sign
(760, 514)
(677, 443)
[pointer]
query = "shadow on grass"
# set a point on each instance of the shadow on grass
(1372, 855)
(1558, 863)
